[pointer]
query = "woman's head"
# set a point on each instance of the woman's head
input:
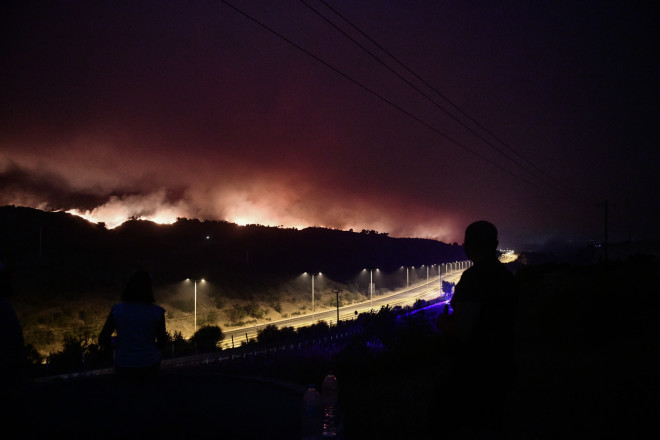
(138, 288)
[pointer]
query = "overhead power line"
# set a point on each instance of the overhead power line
(382, 98)
(551, 181)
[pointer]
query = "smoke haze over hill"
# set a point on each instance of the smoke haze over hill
(160, 110)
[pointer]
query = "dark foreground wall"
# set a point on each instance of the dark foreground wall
(179, 404)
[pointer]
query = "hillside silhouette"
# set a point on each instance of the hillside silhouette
(61, 253)
(69, 271)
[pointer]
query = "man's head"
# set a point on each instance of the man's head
(480, 240)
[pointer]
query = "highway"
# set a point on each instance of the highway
(403, 297)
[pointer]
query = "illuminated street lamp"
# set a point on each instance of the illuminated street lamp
(407, 275)
(313, 274)
(195, 313)
(371, 284)
(440, 276)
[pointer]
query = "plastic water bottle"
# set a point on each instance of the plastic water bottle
(330, 394)
(312, 414)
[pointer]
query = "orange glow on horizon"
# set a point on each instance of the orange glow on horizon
(113, 221)
(167, 215)
(152, 207)
(254, 209)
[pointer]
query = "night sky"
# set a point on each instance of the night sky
(170, 109)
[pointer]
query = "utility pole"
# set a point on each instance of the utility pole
(336, 292)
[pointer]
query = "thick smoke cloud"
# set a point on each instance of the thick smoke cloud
(50, 192)
(170, 109)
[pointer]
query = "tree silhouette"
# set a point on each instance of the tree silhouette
(206, 339)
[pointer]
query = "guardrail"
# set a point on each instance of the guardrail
(320, 345)
(256, 349)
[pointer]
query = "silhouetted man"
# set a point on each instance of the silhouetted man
(480, 336)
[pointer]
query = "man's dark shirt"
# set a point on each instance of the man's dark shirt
(484, 303)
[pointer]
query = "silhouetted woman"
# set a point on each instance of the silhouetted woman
(140, 328)
(12, 347)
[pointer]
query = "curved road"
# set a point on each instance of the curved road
(403, 297)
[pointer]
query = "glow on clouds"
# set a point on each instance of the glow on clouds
(153, 207)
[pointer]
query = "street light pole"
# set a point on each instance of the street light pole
(337, 294)
(440, 276)
(201, 280)
(313, 274)
(407, 275)
(371, 286)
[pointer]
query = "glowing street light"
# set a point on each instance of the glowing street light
(440, 276)
(407, 275)
(371, 284)
(313, 274)
(195, 313)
